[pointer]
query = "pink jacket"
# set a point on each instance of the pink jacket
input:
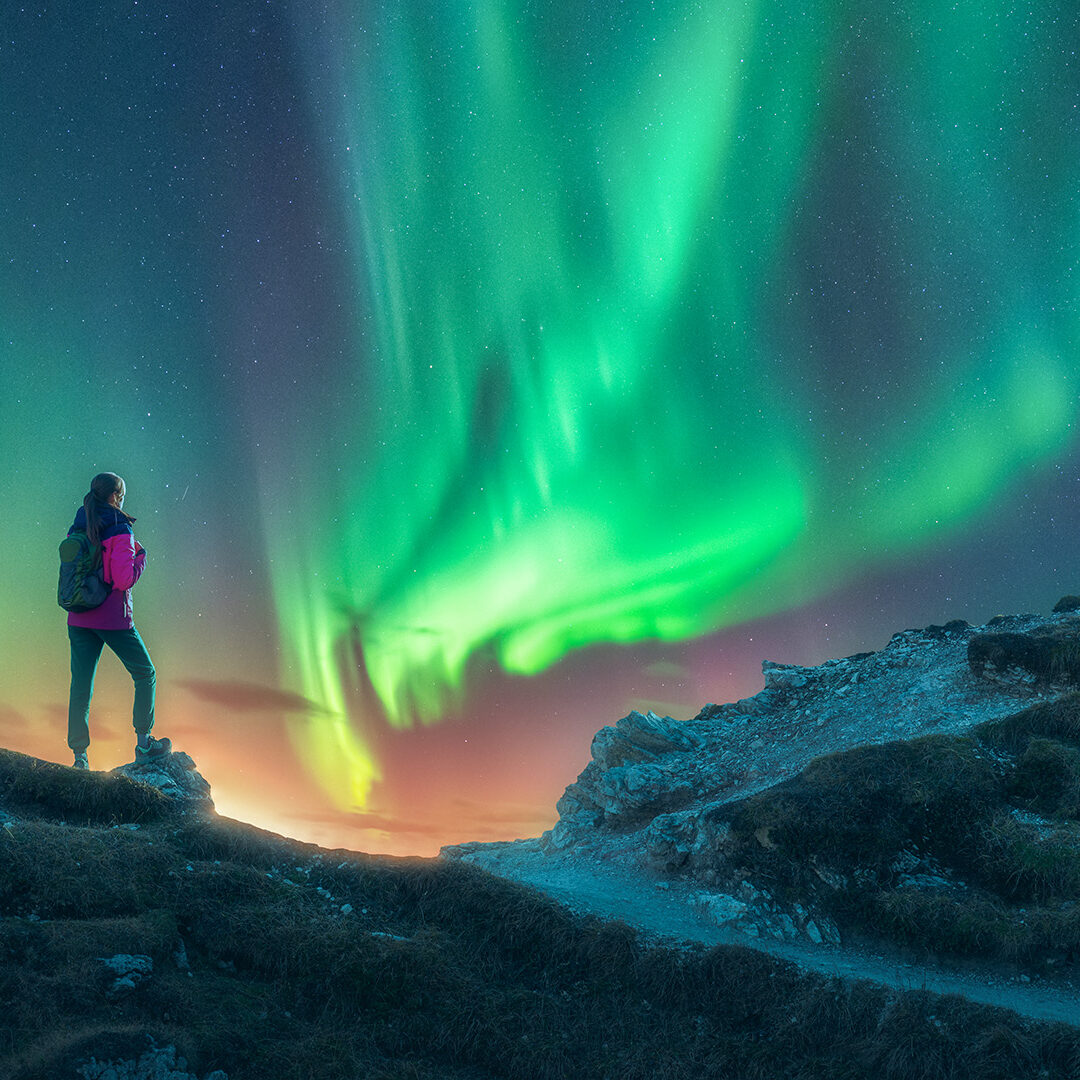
(123, 559)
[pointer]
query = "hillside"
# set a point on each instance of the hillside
(143, 936)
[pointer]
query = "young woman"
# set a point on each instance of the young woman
(104, 521)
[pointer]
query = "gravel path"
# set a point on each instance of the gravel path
(669, 915)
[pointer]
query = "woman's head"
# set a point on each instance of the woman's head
(106, 489)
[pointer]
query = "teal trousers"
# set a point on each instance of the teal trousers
(86, 646)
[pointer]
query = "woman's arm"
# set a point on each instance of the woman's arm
(123, 560)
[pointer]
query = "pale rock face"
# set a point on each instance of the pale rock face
(174, 775)
(637, 738)
(689, 836)
(634, 788)
(723, 910)
(638, 765)
(660, 775)
(755, 913)
(784, 676)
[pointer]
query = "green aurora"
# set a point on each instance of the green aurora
(614, 400)
(440, 339)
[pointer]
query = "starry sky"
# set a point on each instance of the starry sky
(482, 370)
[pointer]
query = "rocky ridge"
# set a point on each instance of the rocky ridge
(645, 808)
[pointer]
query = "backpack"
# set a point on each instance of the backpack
(82, 584)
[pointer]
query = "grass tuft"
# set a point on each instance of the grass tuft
(1047, 778)
(1058, 720)
(1052, 655)
(28, 784)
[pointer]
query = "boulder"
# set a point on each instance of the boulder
(174, 775)
(125, 972)
(637, 738)
(784, 676)
(690, 840)
(639, 765)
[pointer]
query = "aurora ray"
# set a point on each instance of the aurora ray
(602, 311)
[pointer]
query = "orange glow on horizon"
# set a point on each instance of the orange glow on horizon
(493, 772)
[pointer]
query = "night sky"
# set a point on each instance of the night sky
(482, 370)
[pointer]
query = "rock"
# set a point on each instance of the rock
(176, 776)
(564, 834)
(157, 1063)
(638, 765)
(127, 972)
(638, 738)
(711, 712)
(785, 928)
(723, 910)
(579, 802)
(180, 956)
(939, 633)
(627, 792)
(753, 912)
(784, 676)
(822, 931)
(692, 836)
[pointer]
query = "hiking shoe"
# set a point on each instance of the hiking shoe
(81, 761)
(154, 749)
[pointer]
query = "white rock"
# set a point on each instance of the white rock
(722, 909)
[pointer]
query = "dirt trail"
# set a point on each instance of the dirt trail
(601, 888)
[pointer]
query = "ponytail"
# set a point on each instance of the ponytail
(102, 488)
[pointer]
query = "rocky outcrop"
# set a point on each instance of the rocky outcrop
(638, 739)
(691, 838)
(175, 776)
(661, 776)
(124, 972)
(755, 913)
(654, 799)
(639, 769)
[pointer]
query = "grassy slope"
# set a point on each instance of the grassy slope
(440, 970)
(987, 825)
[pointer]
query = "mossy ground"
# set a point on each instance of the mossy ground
(438, 971)
(960, 845)
(1051, 655)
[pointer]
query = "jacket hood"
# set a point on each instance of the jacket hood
(111, 520)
